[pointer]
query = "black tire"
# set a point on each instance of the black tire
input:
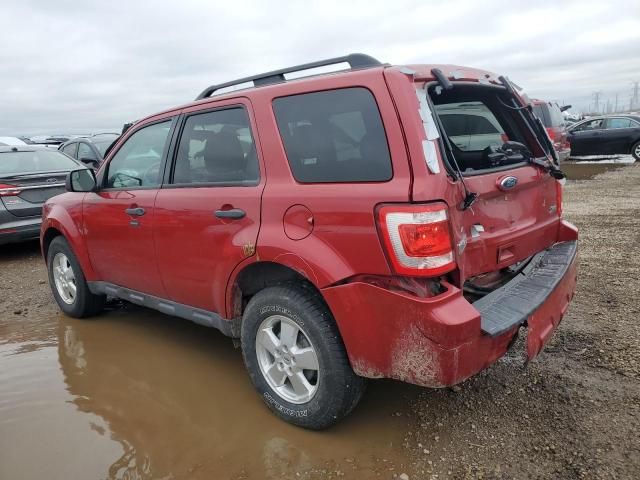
(84, 304)
(339, 389)
(635, 151)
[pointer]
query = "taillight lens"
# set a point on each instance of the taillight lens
(417, 238)
(551, 133)
(9, 190)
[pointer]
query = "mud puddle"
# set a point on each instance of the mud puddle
(588, 169)
(136, 394)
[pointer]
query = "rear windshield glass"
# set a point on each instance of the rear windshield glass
(549, 114)
(480, 128)
(334, 136)
(13, 163)
(542, 112)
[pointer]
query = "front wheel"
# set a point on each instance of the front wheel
(296, 359)
(68, 284)
(635, 151)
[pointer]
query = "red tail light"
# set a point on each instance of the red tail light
(9, 190)
(551, 133)
(417, 238)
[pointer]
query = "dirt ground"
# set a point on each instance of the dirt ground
(135, 394)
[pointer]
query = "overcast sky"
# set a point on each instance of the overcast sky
(83, 66)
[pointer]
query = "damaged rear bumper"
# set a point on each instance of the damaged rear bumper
(443, 340)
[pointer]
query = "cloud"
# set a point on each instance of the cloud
(88, 66)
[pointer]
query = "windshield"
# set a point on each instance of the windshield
(35, 161)
(104, 143)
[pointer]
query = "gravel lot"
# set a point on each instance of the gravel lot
(572, 413)
(575, 411)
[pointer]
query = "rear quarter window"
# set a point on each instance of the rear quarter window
(334, 136)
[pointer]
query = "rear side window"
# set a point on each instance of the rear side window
(217, 148)
(621, 123)
(542, 112)
(84, 151)
(334, 136)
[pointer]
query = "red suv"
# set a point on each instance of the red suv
(331, 224)
(550, 114)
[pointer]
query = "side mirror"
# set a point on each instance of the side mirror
(90, 162)
(565, 108)
(83, 180)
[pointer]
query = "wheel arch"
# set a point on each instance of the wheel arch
(59, 223)
(253, 277)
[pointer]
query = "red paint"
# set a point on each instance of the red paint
(329, 234)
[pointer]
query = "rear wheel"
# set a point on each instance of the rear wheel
(635, 151)
(68, 284)
(295, 358)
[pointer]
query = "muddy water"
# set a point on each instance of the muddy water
(136, 394)
(588, 170)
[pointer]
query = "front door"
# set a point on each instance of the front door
(208, 211)
(586, 139)
(119, 217)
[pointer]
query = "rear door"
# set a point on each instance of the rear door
(620, 134)
(208, 211)
(118, 218)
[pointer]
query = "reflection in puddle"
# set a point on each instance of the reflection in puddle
(162, 398)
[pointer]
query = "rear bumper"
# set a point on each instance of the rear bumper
(20, 230)
(440, 341)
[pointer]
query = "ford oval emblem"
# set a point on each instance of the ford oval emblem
(507, 183)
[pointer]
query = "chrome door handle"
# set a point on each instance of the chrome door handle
(234, 213)
(136, 212)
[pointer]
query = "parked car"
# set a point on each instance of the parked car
(332, 225)
(550, 114)
(89, 150)
(29, 175)
(606, 135)
(11, 141)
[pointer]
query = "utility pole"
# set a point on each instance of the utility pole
(615, 110)
(596, 100)
(636, 88)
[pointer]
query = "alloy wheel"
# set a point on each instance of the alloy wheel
(64, 278)
(288, 361)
